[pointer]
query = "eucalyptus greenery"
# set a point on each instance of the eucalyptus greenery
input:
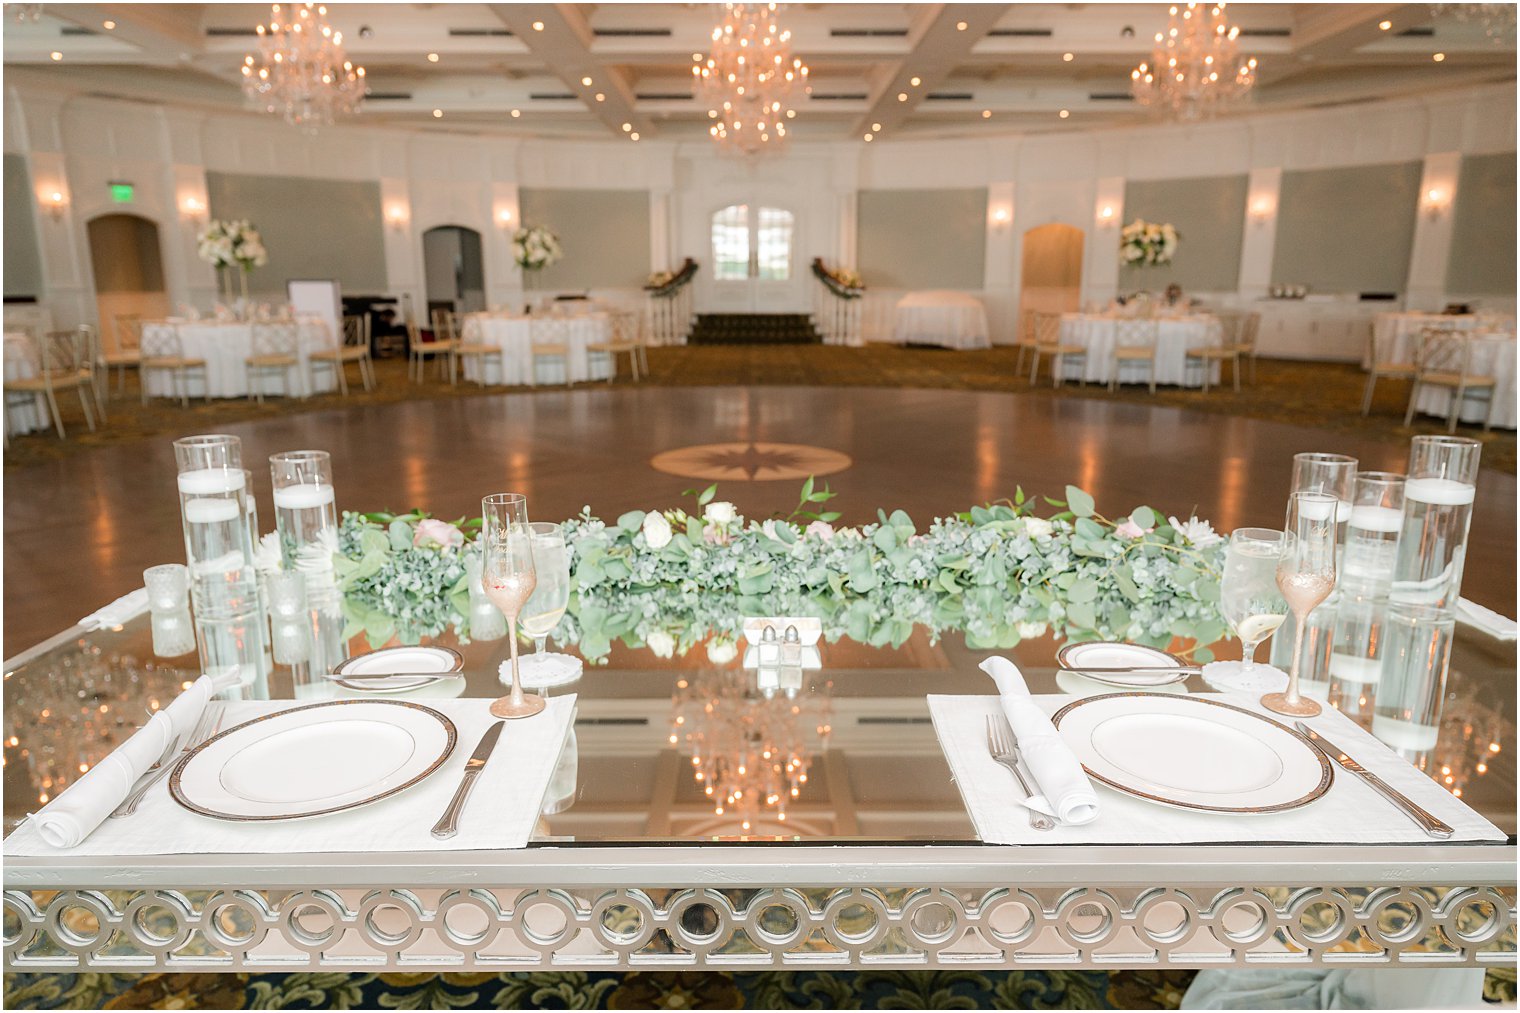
(672, 579)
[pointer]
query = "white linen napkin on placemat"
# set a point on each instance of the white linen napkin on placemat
(129, 606)
(1349, 813)
(1059, 778)
(501, 812)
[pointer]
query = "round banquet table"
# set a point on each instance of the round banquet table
(516, 335)
(23, 414)
(1394, 334)
(1174, 336)
(1492, 354)
(225, 347)
(940, 317)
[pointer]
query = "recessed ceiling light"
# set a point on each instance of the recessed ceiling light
(538, 26)
(697, 57)
(1439, 57)
(868, 137)
(1385, 25)
(960, 26)
(600, 97)
(516, 113)
(986, 114)
(108, 25)
(876, 126)
(916, 81)
(634, 135)
(56, 55)
(586, 81)
(437, 114)
(432, 58)
(902, 96)
(791, 114)
(1065, 113)
(1068, 57)
(627, 127)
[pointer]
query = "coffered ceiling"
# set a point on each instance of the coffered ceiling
(981, 68)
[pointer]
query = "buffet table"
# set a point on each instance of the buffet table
(1174, 336)
(628, 866)
(225, 347)
(23, 414)
(516, 336)
(941, 317)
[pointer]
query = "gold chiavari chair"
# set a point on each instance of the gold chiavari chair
(1047, 342)
(1445, 362)
(1134, 342)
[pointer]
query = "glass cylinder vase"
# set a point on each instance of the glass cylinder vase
(1438, 505)
(1412, 685)
(306, 519)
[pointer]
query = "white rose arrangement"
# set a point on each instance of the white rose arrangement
(1147, 244)
(535, 247)
(233, 243)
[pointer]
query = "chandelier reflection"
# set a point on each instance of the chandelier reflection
(1195, 69)
(749, 77)
(301, 71)
(1496, 20)
(751, 751)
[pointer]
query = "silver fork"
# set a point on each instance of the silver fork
(209, 724)
(1003, 746)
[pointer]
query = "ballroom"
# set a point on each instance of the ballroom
(831, 505)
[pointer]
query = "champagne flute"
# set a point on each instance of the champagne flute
(1306, 576)
(1248, 593)
(508, 578)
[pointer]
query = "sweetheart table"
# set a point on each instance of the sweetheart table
(877, 862)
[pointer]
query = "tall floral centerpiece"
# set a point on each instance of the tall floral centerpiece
(1147, 244)
(228, 245)
(535, 247)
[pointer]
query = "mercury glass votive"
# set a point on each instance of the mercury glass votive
(168, 587)
(287, 594)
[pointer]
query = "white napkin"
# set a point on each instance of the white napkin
(1485, 619)
(1063, 785)
(86, 803)
(119, 612)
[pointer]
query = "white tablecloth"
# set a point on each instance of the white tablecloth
(1491, 355)
(22, 414)
(1395, 335)
(226, 347)
(515, 336)
(951, 319)
(1174, 336)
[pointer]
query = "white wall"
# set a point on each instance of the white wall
(76, 144)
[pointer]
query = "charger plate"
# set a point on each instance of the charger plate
(1191, 753)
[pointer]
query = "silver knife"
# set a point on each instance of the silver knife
(448, 824)
(1426, 822)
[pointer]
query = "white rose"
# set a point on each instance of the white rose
(661, 643)
(721, 652)
(1038, 527)
(656, 530)
(720, 513)
(1028, 631)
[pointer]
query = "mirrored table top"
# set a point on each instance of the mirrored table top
(858, 756)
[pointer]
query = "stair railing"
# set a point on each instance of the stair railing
(836, 305)
(667, 305)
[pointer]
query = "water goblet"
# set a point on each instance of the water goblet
(551, 596)
(508, 577)
(1248, 594)
(1306, 576)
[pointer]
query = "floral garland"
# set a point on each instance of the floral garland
(669, 579)
(535, 247)
(664, 284)
(231, 244)
(844, 283)
(1147, 244)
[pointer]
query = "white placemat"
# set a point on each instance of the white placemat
(501, 812)
(1349, 813)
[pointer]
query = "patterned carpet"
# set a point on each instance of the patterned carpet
(1326, 395)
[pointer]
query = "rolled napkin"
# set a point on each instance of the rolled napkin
(1057, 774)
(85, 804)
(119, 612)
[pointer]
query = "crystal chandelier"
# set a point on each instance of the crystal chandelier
(750, 752)
(749, 77)
(301, 72)
(1194, 70)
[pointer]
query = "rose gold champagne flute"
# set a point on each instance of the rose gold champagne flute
(508, 577)
(1305, 576)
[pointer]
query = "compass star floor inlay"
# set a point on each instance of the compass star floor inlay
(750, 462)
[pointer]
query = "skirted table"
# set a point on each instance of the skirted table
(1097, 332)
(226, 347)
(516, 336)
(941, 317)
(1492, 349)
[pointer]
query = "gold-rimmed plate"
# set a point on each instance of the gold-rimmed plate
(313, 760)
(1193, 753)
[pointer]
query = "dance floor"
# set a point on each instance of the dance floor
(80, 529)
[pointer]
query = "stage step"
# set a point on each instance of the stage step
(754, 329)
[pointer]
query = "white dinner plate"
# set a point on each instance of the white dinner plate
(1103, 654)
(313, 760)
(421, 666)
(1193, 753)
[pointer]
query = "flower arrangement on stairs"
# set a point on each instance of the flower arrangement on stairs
(842, 282)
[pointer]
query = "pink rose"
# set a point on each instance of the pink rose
(714, 534)
(431, 531)
(1129, 529)
(823, 529)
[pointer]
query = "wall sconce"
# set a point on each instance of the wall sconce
(504, 218)
(193, 209)
(1261, 210)
(56, 204)
(396, 216)
(1106, 216)
(1000, 218)
(1436, 201)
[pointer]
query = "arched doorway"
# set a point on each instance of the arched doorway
(128, 269)
(1051, 280)
(752, 256)
(454, 269)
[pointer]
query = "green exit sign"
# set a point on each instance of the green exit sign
(121, 193)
